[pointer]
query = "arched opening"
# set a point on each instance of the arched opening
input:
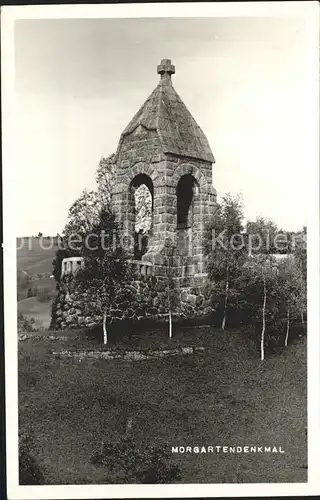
(142, 188)
(186, 189)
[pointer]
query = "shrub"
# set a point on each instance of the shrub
(25, 325)
(44, 295)
(124, 459)
(32, 292)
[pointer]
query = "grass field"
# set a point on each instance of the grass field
(40, 311)
(225, 397)
(34, 259)
(42, 283)
(31, 257)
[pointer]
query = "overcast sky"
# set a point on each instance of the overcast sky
(79, 82)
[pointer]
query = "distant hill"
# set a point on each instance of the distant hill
(35, 255)
(40, 311)
(34, 268)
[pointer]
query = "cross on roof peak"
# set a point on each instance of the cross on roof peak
(166, 69)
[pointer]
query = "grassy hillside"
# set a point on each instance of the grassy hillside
(43, 283)
(33, 256)
(225, 397)
(40, 311)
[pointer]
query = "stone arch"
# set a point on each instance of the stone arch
(140, 168)
(143, 179)
(186, 191)
(191, 169)
(140, 232)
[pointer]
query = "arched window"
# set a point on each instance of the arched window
(186, 188)
(142, 188)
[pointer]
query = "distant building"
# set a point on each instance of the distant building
(70, 265)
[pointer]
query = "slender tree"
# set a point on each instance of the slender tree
(226, 252)
(106, 270)
(262, 271)
(289, 292)
(265, 240)
(172, 291)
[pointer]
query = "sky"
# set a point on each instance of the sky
(78, 83)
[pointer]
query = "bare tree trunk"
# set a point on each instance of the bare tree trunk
(104, 325)
(288, 327)
(263, 319)
(225, 302)
(169, 276)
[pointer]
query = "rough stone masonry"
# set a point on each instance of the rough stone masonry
(164, 148)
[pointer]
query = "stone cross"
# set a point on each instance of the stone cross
(166, 69)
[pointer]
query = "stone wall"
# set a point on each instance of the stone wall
(146, 298)
(140, 154)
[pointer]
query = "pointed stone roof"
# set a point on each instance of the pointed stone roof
(165, 113)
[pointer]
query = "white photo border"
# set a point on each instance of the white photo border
(309, 10)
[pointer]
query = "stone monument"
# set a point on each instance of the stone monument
(164, 148)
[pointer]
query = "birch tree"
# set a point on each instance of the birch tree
(106, 270)
(289, 292)
(227, 253)
(171, 289)
(262, 270)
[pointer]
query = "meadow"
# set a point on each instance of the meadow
(225, 396)
(33, 308)
(35, 255)
(35, 260)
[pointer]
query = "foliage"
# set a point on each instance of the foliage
(32, 292)
(270, 283)
(29, 471)
(44, 295)
(61, 253)
(143, 209)
(149, 465)
(25, 325)
(105, 176)
(266, 237)
(300, 254)
(226, 254)
(270, 296)
(82, 215)
(85, 212)
(106, 270)
(252, 284)
(262, 273)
